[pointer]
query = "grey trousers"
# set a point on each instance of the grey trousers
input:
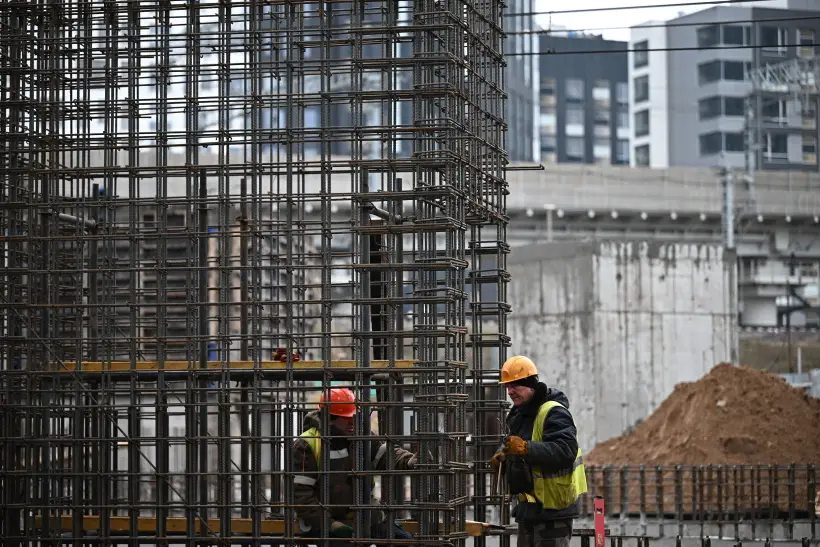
(544, 534)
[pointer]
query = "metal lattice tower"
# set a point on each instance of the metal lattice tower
(192, 190)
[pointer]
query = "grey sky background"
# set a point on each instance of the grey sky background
(609, 19)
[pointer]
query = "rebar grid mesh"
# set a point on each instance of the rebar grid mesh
(196, 193)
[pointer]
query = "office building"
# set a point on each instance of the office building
(692, 99)
(584, 99)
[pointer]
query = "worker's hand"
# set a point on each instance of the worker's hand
(497, 460)
(411, 463)
(340, 530)
(515, 446)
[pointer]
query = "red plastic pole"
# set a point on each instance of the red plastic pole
(598, 512)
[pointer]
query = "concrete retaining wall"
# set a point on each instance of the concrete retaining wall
(617, 325)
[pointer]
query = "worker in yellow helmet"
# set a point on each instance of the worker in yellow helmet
(541, 459)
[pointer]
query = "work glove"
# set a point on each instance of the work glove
(497, 460)
(340, 530)
(515, 446)
(411, 463)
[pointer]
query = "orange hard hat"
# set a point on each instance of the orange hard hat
(342, 402)
(517, 368)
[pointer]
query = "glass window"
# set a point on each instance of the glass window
(547, 103)
(622, 92)
(734, 35)
(709, 108)
(623, 118)
(809, 149)
(775, 146)
(708, 72)
(641, 52)
(575, 89)
(575, 114)
(575, 148)
(773, 38)
(734, 106)
(708, 36)
(601, 91)
(641, 89)
(774, 110)
(641, 123)
(547, 86)
(735, 142)
(805, 42)
(734, 70)
(779, 144)
(602, 148)
(809, 116)
(711, 143)
(642, 155)
(622, 151)
(602, 117)
(547, 142)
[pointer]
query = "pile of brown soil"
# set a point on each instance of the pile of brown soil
(731, 416)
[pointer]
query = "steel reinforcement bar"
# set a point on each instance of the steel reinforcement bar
(171, 305)
(735, 501)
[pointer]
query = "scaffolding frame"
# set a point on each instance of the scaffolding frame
(178, 285)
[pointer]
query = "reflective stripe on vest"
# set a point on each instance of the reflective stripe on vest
(557, 490)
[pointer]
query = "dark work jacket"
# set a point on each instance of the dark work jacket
(307, 470)
(556, 451)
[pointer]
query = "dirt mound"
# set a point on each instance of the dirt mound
(731, 416)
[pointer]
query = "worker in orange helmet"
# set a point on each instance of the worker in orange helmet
(339, 404)
(541, 460)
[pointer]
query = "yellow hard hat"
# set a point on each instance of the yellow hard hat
(517, 368)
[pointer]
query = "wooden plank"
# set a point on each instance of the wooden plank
(125, 366)
(179, 525)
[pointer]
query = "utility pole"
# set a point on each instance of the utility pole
(729, 209)
(728, 184)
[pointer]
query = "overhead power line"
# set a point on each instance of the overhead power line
(549, 32)
(649, 50)
(622, 8)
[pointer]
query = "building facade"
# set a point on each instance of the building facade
(584, 100)
(521, 79)
(692, 100)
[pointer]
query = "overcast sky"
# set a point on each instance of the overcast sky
(610, 18)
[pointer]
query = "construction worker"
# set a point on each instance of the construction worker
(541, 459)
(307, 481)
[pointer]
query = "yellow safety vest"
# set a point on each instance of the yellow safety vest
(311, 436)
(558, 490)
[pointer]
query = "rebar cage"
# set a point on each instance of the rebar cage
(212, 211)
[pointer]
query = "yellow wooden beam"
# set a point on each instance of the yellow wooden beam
(125, 366)
(179, 525)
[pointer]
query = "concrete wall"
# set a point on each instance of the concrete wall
(617, 325)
